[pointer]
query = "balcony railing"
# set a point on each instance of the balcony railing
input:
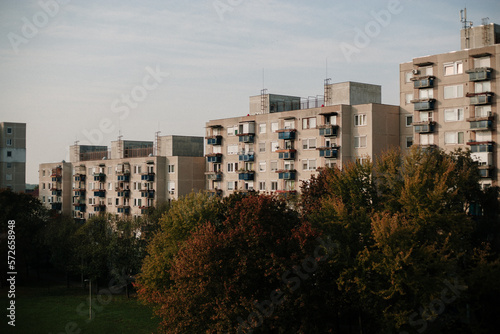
(148, 194)
(246, 138)
(80, 207)
(214, 176)
(423, 82)
(287, 154)
(125, 209)
(214, 157)
(423, 104)
(486, 171)
(328, 130)
(481, 125)
(57, 193)
(214, 140)
(246, 175)
(483, 146)
(149, 177)
(480, 98)
(424, 127)
(124, 178)
(125, 193)
(99, 177)
(79, 192)
(80, 178)
(246, 157)
(100, 193)
(287, 174)
(328, 152)
(56, 206)
(286, 134)
(479, 74)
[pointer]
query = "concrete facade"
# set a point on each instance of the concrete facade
(13, 156)
(125, 181)
(450, 101)
(275, 151)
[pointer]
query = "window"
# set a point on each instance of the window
(409, 142)
(274, 185)
(289, 124)
(249, 185)
(262, 166)
(453, 92)
(453, 115)
(426, 139)
(262, 147)
(9, 142)
(289, 185)
(9, 164)
(453, 68)
(8, 177)
(309, 164)
(232, 149)
(110, 171)
(426, 70)
(232, 130)
(262, 185)
(274, 166)
(309, 123)
(274, 126)
(453, 137)
(232, 167)
(309, 144)
(274, 146)
(110, 186)
(359, 141)
(171, 169)
(117, 201)
(171, 187)
(482, 62)
(289, 165)
(409, 120)
(408, 98)
(137, 169)
(425, 116)
(481, 87)
(408, 76)
(483, 111)
(230, 185)
(43, 199)
(9, 154)
(360, 120)
(426, 93)
(217, 167)
(262, 127)
(110, 201)
(330, 163)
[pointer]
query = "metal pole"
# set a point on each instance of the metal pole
(90, 299)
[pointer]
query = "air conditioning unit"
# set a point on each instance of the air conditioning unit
(415, 71)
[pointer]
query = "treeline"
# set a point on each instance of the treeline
(103, 249)
(407, 244)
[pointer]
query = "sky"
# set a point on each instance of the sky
(90, 70)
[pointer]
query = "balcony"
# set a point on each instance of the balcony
(286, 174)
(79, 193)
(246, 175)
(148, 177)
(486, 125)
(57, 193)
(486, 171)
(80, 207)
(56, 206)
(480, 98)
(287, 154)
(328, 130)
(246, 138)
(214, 157)
(478, 147)
(246, 157)
(424, 127)
(148, 194)
(124, 178)
(214, 176)
(100, 193)
(423, 82)
(423, 104)
(479, 74)
(80, 178)
(328, 152)
(125, 193)
(214, 140)
(214, 192)
(99, 177)
(125, 209)
(287, 134)
(99, 207)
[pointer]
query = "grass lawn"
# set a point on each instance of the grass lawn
(58, 310)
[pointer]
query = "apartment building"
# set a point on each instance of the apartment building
(448, 100)
(286, 139)
(125, 180)
(13, 156)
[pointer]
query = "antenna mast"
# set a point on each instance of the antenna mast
(466, 26)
